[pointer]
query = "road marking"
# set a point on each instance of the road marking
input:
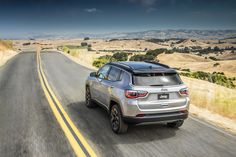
(76, 139)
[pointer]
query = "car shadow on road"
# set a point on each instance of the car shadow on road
(95, 124)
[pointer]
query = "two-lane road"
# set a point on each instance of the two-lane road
(28, 126)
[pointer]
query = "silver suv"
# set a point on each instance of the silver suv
(138, 92)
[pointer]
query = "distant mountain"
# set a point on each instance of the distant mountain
(157, 34)
(167, 34)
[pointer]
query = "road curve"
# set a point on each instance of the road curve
(29, 128)
(194, 139)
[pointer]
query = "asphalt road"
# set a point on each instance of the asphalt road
(28, 127)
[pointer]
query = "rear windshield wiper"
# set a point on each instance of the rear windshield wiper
(156, 85)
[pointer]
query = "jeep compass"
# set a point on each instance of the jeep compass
(138, 92)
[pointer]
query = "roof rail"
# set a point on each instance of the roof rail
(122, 65)
(157, 63)
(125, 65)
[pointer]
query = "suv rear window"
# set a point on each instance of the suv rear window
(156, 79)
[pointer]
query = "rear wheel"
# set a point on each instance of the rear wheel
(89, 102)
(176, 124)
(117, 124)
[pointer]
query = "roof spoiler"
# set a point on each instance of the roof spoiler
(157, 63)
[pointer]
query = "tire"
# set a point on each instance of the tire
(117, 124)
(176, 124)
(89, 102)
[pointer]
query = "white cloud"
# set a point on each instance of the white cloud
(91, 10)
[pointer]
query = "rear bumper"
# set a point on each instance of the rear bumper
(160, 117)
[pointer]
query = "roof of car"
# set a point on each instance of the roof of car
(143, 67)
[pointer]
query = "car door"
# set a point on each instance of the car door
(108, 84)
(102, 74)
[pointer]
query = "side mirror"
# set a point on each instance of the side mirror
(93, 74)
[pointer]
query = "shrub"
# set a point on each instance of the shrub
(102, 60)
(142, 58)
(216, 48)
(65, 49)
(216, 64)
(213, 58)
(26, 44)
(84, 44)
(155, 52)
(215, 77)
(120, 56)
(188, 70)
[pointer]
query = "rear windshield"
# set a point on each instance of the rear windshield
(159, 79)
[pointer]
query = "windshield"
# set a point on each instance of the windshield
(160, 79)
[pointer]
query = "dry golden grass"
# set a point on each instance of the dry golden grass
(180, 57)
(6, 45)
(215, 98)
(133, 45)
(198, 63)
(6, 51)
(191, 43)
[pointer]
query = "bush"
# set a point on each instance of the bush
(188, 70)
(213, 58)
(216, 64)
(216, 49)
(102, 60)
(142, 58)
(26, 44)
(120, 56)
(84, 44)
(215, 77)
(65, 49)
(156, 52)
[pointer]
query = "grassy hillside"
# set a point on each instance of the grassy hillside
(212, 97)
(198, 63)
(181, 57)
(6, 45)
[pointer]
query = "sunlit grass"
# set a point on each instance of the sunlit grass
(215, 98)
(6, 44)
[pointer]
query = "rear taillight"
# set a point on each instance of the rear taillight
(132, 94)
(184, 92)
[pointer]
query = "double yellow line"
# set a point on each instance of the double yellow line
(76, 139)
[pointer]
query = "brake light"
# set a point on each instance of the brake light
(184, 92)
(132, 94)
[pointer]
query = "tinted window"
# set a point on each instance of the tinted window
(157, 79)
(103, 72)
(114, 74)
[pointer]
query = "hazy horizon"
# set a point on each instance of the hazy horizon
(27, 17)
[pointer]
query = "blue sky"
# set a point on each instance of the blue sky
(21, 17)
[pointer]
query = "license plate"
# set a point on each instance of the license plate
(163, 96)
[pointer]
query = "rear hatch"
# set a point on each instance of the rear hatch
(163, 91)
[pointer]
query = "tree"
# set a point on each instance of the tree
(216, 49)
(120, 56)
(84, 44)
